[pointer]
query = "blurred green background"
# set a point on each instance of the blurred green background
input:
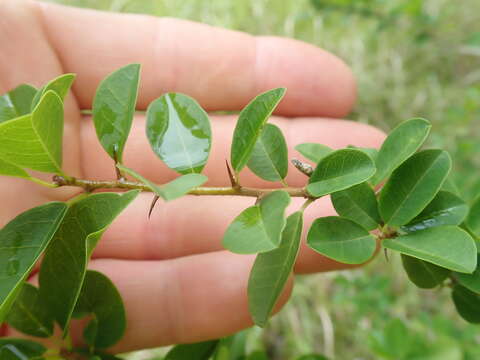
(411, 58)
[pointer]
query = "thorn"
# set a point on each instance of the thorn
(385, 252)
(233, 181)
(154, 201)
(304, 168)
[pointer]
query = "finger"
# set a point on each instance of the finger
(181, 301)
(222, 69)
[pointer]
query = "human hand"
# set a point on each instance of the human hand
(177, 283)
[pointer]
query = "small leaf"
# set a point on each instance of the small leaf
(35, 141)
(341, 239)
(100, 297)
(29, 314)
(259, 227)
(359, 204)
(313, 152)
(400, 144)
(470, 281)
(20, 349)
(340, 170)
(197, 351)
(269, 159)
(446, 246)
(445, 209)
(59, 85)
(16, 102)
(22, 241)
(179, 132)
(413, 186)
(271, 270)
(250, 124)
(424, 274)
(66, 258)
(232, 347)
(467, 304)
(473, 218)
(114, 107)
(172, 190)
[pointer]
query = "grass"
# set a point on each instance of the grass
(410, 62)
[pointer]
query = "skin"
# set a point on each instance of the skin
(177, 283)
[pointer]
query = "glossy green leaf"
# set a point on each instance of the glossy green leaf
(29, 314)
(473, 218)
(445, 209)
(313, 152)
(20, 349)
(249, 126)
(232, 347)
(100, 297)
(172, 190)
(470, 281)
(446, 246)
(35, 141)
(59, 85)
(22, 241)
(66, 258)
(467, 304)
(259, 227)
(401, 143)
(359, 204)
(413, 186)
(179, 132)
(424, 274)
(16, 102)
(271, 270)
(114, 107)
(197, 351)
(340, 170)
(269, 159)
(341, 239)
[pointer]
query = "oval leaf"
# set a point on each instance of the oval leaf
(259, 227)
(467, 304)
(400, 144)
(22, 241)
(250, 124)
(473, 218)
(114, 107)
(179, 132)
(271, 270)
(359, 204)
(470, 281)
(413, 186)
(424, 274)
(341, 240)
(197, 351)
(445, 209)
(313, 152)
(67, 256)
(446, 246)
(20, 349)
(269, 159)
(59, 85)
(340, 170)
(16, 102)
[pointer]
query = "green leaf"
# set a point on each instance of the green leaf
(470, 281)
(197, 351)
(445, 209)
(359, 204)
(473, 218)
(22, 241)
(372, 152)
(100, 297)
(35, 141)
(172, 190)
(249, 126)
(59, 85)
(20, 349)
(467, 304)
(424, 274)
(8, 169)
(271, 270)
(232, 347)
(269, 159)
(313, 152)
(259, 227)
(400, 144)
(312, 357)
(258, 355)
(413, 186)
(446, 246)
(340, 170)
(341, 239)
(114, 107)
(29, 314)
(67, 256)
(179, 132)
(16, 102)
